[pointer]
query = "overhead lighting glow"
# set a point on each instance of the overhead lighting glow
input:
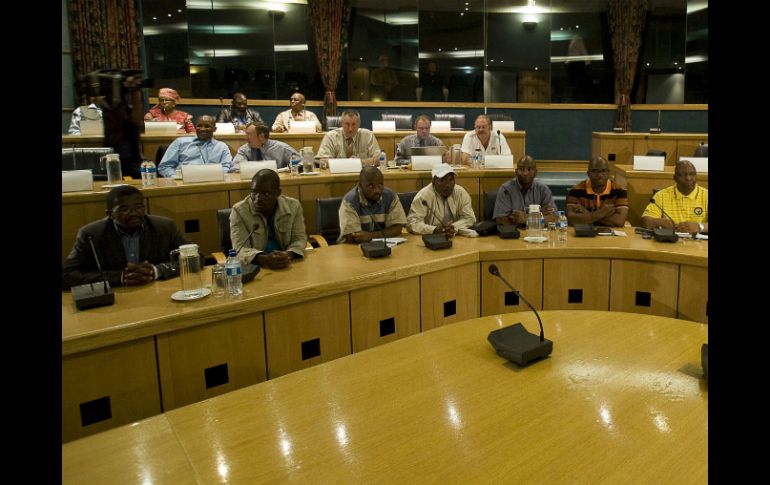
(593, 57)
(291, 47)
(451, 54)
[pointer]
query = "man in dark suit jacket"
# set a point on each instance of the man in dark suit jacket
(133, 248)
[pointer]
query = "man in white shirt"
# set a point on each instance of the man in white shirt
(350, 141)
(483, 139)
(296, 113)
(442, 207)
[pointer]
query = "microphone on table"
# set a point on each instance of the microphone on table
(92, 295)
(499, 144)
(248, 270)
(435, 241)
(663, 234)
(376, 249)
(514, 342)
(507, 231)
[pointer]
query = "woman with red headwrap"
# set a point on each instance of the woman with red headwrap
(166, 110)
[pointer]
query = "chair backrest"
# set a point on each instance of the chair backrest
(457, 120)
(702, 150)
(85, 159)
(656, 153)
(160, 152)
(403, 121)
(499, 117)
(406, 199)
(333, 122)
(327, 218)
(489, 204)
(223, 224)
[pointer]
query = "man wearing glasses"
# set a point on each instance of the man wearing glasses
(268, 228)
(133, 247)
(597, 199)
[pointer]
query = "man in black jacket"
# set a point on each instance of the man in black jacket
(133, 248)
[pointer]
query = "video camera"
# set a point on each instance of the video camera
(112, 84)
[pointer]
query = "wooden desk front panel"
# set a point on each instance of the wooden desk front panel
(119, 383)
(193, 211)
(644, 287)
(449, 296)
(615, 150)
(75, 216)
(202, 362)
(693, 293)
(525, 275)
(623, 146)
(287, 329)
(576, 284)
(371, 308)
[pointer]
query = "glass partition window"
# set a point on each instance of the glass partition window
(525, 51)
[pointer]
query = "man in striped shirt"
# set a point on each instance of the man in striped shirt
(597, 199)
(686, 202)
(370, 210)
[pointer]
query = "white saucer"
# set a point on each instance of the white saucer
(535, 239)
(181, 296)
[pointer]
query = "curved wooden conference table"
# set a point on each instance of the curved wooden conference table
(148, 354)
(620, 400)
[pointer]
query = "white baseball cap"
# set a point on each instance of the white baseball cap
(442, 170)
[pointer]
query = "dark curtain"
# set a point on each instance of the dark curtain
(104, 34)
(626, 22)
(330, 25)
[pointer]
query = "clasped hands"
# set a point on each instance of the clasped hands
(138, 273)
(275, 260)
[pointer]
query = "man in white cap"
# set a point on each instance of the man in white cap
(442, 207)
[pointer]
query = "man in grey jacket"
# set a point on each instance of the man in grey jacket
(266, 227)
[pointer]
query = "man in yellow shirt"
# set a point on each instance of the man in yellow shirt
(686, 203)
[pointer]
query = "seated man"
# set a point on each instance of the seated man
(92, 112)
(597, 199)
(686, 202)
(370, 210)
(296, 113)
(442, 207)
(267, 228)
(258, 147)
(515, 196)
(350, 141)
(166, 110)
(239, 113)
(187, 150)
(482, 138)
(422, 138)
(132, 247)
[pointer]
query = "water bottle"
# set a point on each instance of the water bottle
(233, 270)
(152, 174)
(534, 222)
(562, 227)
(383, 160)
(476, 158)
(143, 173)
(294, 164)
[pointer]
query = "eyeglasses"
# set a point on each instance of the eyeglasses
(125, 209)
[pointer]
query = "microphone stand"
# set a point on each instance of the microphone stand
(662, 234)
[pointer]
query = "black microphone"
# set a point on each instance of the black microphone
(663, 234)
(93, 295)
(248, 270)
(514, 342)
(499, 144)
(435, 241)
(376, 249)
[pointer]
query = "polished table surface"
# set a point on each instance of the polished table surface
(148, 310)
(619, 401)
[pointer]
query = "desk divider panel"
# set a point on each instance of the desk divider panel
(693, 293)
(195, 215)
(384, 313)
(205, 361)
(449, 296)
(576, 284)
(644, 287)
(525, 275)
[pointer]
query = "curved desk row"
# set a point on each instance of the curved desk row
(387, 141)
(620, 148)
(618, 401)
(148, 354)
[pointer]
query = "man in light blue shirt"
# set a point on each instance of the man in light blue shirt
(259, 147)
(188, 150)
(92, 112)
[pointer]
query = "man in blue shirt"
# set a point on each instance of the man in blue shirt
(187, 150)
(259, 146)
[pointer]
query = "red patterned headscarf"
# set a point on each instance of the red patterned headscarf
(169, 93)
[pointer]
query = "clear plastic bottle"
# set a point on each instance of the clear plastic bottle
(233, 271)
(535, 223)
(476, 159)
(383, 160)
(143, 173)
(294, 162)
(561, 227)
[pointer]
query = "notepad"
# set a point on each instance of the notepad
(160, 127)
(498, 161)
(386, 126)
(344, 165)
(425, 162)
(207, 172)
(643, 162)
(248, 169)
(301, 127)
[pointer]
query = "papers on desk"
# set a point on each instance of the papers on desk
(391, 241)
(617, 232)
(702, 236)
